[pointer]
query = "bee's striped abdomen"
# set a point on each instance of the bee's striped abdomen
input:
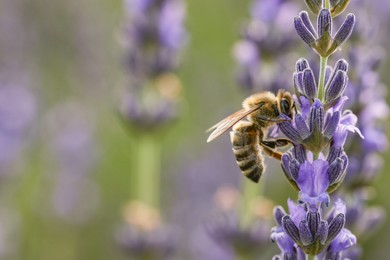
(245, 139)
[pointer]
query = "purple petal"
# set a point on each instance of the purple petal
(297, 211)
(345, 239)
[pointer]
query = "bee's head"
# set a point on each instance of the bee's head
(286, 103)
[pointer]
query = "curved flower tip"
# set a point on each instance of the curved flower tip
(347, 124)
(297, 211)
(344, 240)
(304, 104)
(284, 242)
(338, 207)
(313, 181)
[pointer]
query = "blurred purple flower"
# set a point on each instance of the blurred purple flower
(71, 142)
(265, 35)
(18, 110)
(154, 36)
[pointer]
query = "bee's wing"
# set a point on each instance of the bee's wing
(228, 122)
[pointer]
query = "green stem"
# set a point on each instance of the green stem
(250, 191)
(326, 4)
(310, 257)
(321, 78)
(148, 174)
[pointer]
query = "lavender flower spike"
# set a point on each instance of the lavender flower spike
(322, 41)
(308, 231)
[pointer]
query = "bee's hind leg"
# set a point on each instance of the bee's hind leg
(270, 146)
(272, 153)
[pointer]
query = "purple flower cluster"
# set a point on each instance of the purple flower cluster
(305, 231)
(317, 164)
(154, 36)
(18, 108)
(71, 140)
(368, 98)
(265, 41)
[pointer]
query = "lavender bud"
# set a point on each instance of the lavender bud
(341, 65)
(299, 153)
(335, 170)
(333, 256)
(288, 129)
(335, 227)
(322, 232)
(328, 73)
(345, 161)
(305, 233)
(303, 31)
(334, 152)
(302, 127)
(337, 86)
(301, 65)
(345, 30)
(316, 118)
(291, 229)
(314, 5)
(331, 125)
(309, 85)
(279, 213)
(324, 23)
(290, 256)
(298, 81)
(294, 168)
(306, 20)
(313, 219)
(286, 158)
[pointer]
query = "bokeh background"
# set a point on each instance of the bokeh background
(66, 158)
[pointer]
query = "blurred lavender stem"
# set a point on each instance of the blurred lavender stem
(311, 257)
(148, 170)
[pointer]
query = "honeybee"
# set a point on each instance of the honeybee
(262, 110)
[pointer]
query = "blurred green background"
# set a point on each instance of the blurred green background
(71, 51)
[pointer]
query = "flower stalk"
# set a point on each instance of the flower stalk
(321, 79)
(148, 170)
(317, 164)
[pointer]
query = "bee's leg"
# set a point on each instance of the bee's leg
(276, 143)
(270, 146)
(272, 153)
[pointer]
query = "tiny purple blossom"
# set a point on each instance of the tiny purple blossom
(347, 124)
(313, 182)
(344, 240)
(171, 30)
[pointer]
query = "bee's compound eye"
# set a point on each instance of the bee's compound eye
(285, 106)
